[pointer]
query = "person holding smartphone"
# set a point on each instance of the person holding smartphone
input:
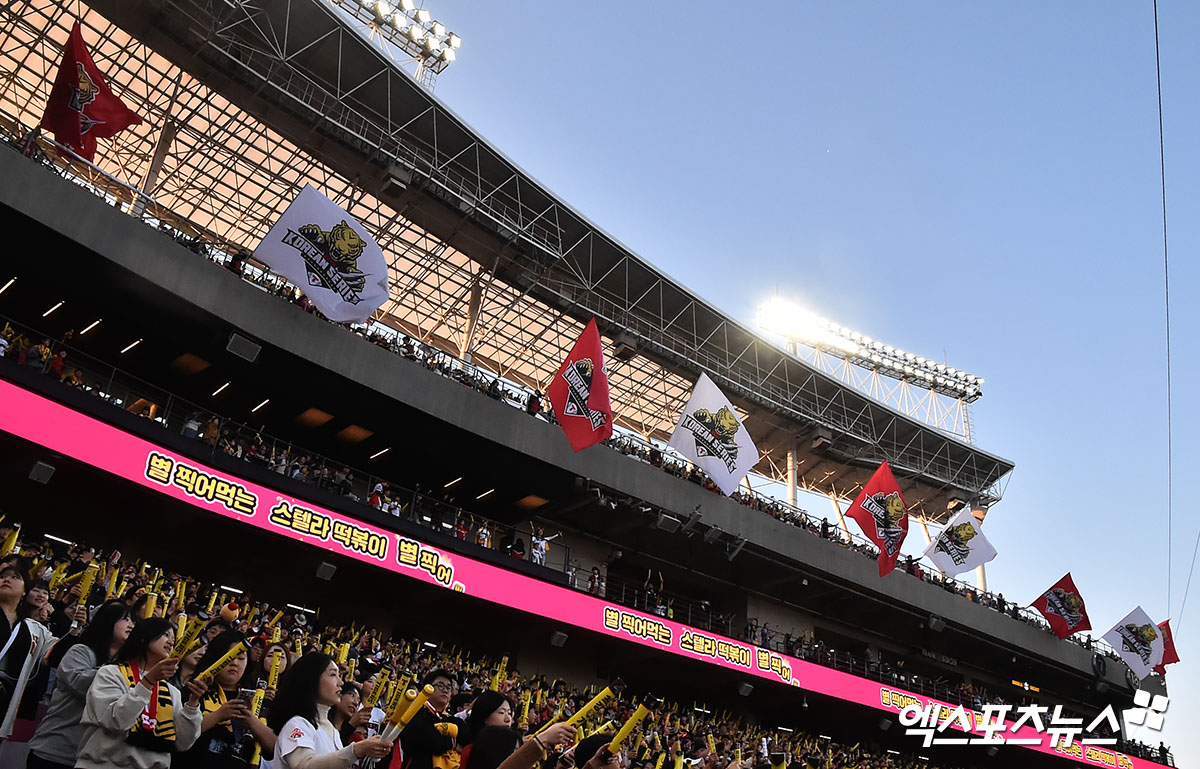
(229, 732)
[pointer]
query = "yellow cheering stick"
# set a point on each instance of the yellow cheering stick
(150, 605)
(398, 701)
(250, 617)
(273, 675)
(212, 602)
(85, 584)
(350, 669)
(586, 712)
(299, 646)
(275, 620)
(56, 577)
(608, 727)
(276, 634)
(499, 673)
(396, 726)
(712, 744)
(658, 763)
(228, 659)
(343, 652)
(377, 690)
(10, 542)
(638, 716)
(187, 641)
(525, 695)
(256, 711)
(121, 588)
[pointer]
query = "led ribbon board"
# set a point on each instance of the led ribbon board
(61, 429)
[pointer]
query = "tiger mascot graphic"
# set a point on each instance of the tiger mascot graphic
(1065, 604)
(954, 540)
(342, 247)
(1139, 639)
(723, 425)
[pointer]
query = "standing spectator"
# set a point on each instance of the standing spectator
(539, 544)
(55, 744)
(596, 582)
(24, 643)
(483, 536)
(133, 716)
(299, 715)
(533, 404)
(430, 738)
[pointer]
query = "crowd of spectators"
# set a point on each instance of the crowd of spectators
(94, 628)
(440, 510)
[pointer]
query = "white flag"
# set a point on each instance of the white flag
(710, 434)
(329, 255)
(961, 546)
(1139, 642)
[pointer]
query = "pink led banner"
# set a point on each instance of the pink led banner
(89, 440)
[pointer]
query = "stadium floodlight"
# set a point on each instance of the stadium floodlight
(423, 16)
(400, 21)
(415, 32)
(798, 325)
(431, 44)
(454, 41)
(438, 29)
(383, 9)
(449, 55)
(408, 6)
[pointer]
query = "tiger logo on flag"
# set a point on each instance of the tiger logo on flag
(888, 512)
(83, 94)
(579, 388)
(716, 434)
(953, 542)
(1138, 639)
(331, 257)
(1065, 604)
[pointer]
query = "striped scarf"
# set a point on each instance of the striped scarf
(155, 727)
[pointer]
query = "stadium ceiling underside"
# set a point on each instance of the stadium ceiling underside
(257, 99)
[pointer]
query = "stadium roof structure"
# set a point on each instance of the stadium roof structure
(244, 103)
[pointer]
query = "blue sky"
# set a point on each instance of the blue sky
(973, 181)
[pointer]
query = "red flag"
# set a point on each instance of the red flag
(1063, 608)
(1170, 656)
(579, 392)
(81, 108)
(882, 515)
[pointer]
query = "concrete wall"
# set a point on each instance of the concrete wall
(80, 216)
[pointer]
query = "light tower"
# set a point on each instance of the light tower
(935, 393)
(409, 35)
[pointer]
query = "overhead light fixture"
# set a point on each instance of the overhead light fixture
(785, 729)
(6, 285)
(449, 55)
(414, 33)
(431, 644)
(408, 6)
(130, 346)
(217, 391)
(454, 41)
(431, 44)
(825, 736)
(58, 539)
(383, 9)
(52, 309)
(484, 494)
(232, 589)
(735, 548)
(259, 406)
(91, 326)
(451, 483)
(438, 29)
(423, 16)
(304, 609)
(381, 452)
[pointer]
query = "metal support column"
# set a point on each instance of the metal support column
(840, 515)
